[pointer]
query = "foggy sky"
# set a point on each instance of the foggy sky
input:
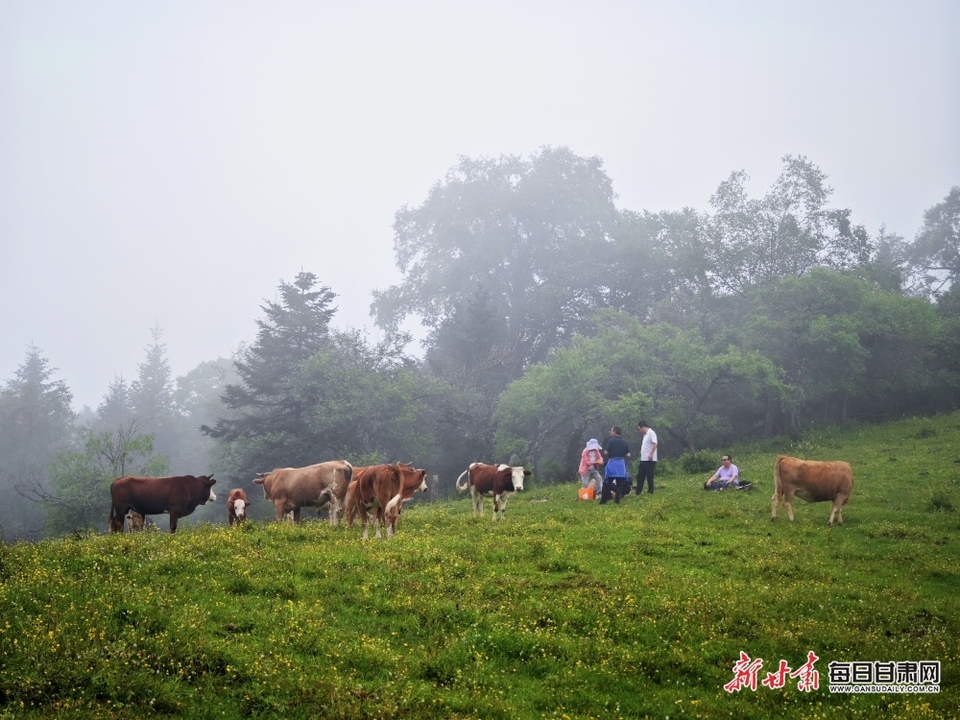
(170, 162)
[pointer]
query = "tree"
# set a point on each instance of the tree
(935, 254)
(115, 410)
(522, 231)
(35, 423)
(669, 375)
(787, 233)
(151, 395)
(81, 479)
(365, 402)
(654, 259)
(267, 425)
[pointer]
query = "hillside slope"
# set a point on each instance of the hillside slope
(564, 609)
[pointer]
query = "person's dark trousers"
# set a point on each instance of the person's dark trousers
(611, 486)
(646, 472)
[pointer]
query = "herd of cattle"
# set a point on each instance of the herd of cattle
(377, 492)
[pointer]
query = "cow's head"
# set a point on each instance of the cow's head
(517, 475)
(208, 481)
(261, 479)
(240, 508)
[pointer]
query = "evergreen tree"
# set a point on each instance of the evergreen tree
(268, 420)
(35, 423)
(151, 394)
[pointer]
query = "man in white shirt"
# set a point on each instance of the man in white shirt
(648, 456)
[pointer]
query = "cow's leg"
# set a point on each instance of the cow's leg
(174, 516)
(837, 510)
(115, 521)
(788, 503)
(296, 515)
(364, 519)
(334, 511)
(503, 505)
(774, 505)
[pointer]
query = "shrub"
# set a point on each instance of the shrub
(940, 502)
(698, 462)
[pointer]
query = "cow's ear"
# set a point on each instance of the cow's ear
(527, 473)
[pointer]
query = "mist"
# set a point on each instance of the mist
(167, 164)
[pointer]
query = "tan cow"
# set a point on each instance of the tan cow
(290, 489)
(813, 481)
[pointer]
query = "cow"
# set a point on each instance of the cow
(412, 481)
(382, 489)
(813, 481)
(290, 489)
(237, 506)
(135, 521)
(177, 496)
(496, 481)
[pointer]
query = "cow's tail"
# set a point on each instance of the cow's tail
(777, 489)
(466, 485)
(116, 519)
(394, 501)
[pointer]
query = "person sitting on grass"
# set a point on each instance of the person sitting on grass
(728, 476)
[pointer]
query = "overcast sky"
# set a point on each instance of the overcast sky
(170, 162)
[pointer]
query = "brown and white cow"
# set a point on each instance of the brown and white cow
(496, 481)
(813, 481)
(177, 496)
(290, 489)
(135, 521)
(382, 489)
(412, 481)
(237, 506)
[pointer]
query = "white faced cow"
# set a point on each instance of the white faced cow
(179, 496)
(290, 489)
(814, 482)
(496, 481)
(237, 506)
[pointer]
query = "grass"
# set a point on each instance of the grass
(565, 609)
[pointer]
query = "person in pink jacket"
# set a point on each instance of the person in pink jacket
(591, 459)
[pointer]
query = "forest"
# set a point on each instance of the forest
(551, 315)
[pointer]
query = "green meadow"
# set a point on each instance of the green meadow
(563, 610)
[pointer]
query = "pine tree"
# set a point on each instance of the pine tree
(268, 427)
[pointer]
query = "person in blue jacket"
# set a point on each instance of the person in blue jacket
(615, 477)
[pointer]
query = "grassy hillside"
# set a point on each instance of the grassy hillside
(566, 609)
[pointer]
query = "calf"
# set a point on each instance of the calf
(135, 521)
(496, 481)
(237, 506)
(814, 482)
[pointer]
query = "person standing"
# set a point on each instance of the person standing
(615, 480)
(648, 456)
(591, 458)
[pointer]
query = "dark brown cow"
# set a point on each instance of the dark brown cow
(814, 482)
(382, 489)
(179, 496)
(237, 506)
(496, 481)
(290, 489)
